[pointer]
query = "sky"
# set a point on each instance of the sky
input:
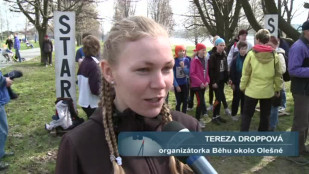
(106, 11)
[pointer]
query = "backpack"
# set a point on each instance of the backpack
(47, 47)
(286, 75)
(65, 115)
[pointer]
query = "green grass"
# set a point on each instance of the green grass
(35, 149)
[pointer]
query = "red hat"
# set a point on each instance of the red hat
(199, 47)
(46, 36)
(179, 48)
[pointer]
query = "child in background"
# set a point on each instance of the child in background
(235, 76)
(181, 70)
(199, 80)
(211, 91)
(218, 71)
(274, 43)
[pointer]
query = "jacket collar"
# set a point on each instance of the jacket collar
(305, 41)
(128, 120)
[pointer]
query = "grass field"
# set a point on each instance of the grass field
(35, 149)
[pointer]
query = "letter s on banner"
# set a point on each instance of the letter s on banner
(271, 23)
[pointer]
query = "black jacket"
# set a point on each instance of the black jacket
(214, 66)
(85, 150)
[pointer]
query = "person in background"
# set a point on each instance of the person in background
(218, 72)
(89, 76)
(9, 42)
(17, 47)
(80, 55)
(242, 35)
(5, 82)
(199, 80)
(47, 48)
(285, 45)
(181, 70)
(137, 69)
(260, 81)
(211, 91)
(190, 92)
(299, 73)
(274, 43)
(235, 76)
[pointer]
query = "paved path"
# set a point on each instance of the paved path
(27, 54)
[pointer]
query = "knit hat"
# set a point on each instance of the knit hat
(305, 26)
(179, 48)
(241, 32)
(199, 47)
(218, 41)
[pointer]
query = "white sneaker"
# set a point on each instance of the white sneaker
(46, 65)
(205, 115)
(210, 108)
(227, 111)
(281, 109)
(202, 124)
(235, 118)
(189, 109)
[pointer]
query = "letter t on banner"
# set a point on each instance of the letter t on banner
(65, 54)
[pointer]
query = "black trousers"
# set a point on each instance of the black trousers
(48, 58)
(89, 111)
(201, 105)
(191, 98)
(211, 95)
(182, 98)
(238, 95)
(249, 109)
(301, 120)
(220, 97)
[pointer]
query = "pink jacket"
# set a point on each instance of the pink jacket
(197, 74)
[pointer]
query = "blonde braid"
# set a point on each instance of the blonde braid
(165, 113)
(175, 165)
(106, 104)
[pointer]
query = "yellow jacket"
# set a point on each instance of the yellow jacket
(261, 77)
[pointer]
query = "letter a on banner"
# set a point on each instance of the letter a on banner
(65, 54)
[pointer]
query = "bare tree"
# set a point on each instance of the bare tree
(220, 17)
(161, 12)
(40, 12)
(271, 8)
(87, 21)
(124, 9)
(195, 30)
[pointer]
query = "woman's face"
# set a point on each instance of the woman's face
(220, 47)
(143, 75)
(201, 53)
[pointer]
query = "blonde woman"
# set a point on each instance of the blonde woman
(137, 71)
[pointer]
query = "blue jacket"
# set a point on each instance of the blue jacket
(180, 74)
(4, 95)
(299, 67)
(16, 43)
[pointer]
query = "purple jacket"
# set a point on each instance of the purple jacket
(197, 74)
(299, 67)
(297, 55)
(16, 43)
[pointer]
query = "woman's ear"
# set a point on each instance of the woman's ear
(107, 71)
